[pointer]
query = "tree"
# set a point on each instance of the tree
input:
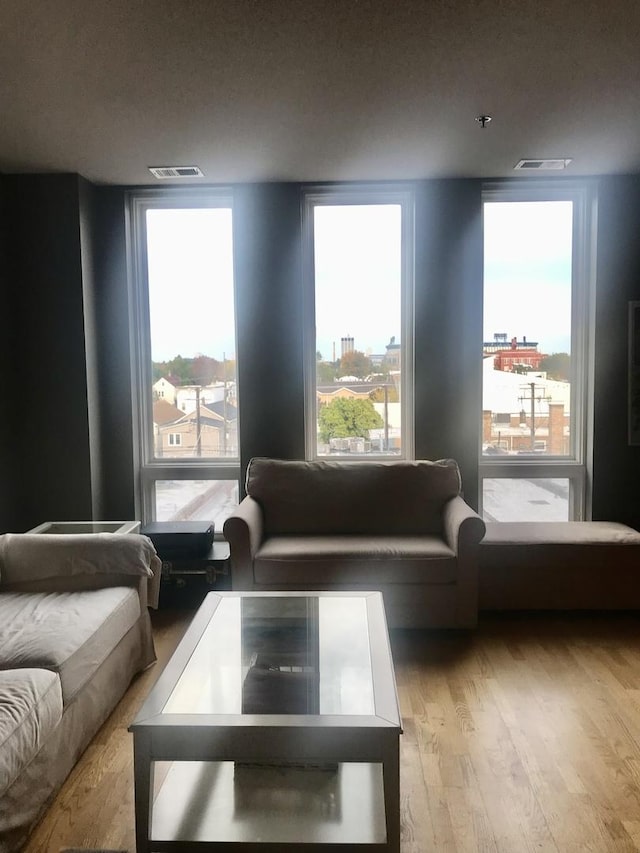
(204, 370)
(347, 416)
(355, 363)
(378, 395)
(557, 366)
(201, 370)
(325, 372)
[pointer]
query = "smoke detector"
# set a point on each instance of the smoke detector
(542, 165)
(164, 172)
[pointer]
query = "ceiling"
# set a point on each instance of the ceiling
(317, 90)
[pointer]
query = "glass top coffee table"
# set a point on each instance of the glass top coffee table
(275, 725)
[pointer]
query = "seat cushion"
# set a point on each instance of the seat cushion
(70, 633)
(30, 708)
(359, 560)
(560, 533)
(559, 544)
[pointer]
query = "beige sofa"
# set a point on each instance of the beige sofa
(74, 629)
(399, 527)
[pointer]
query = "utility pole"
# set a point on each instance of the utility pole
(531, 398)
(224, 404)
(386, 416)
(198, 432)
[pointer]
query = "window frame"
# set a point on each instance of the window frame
(361, 194)
(576, 466)
(148, 468)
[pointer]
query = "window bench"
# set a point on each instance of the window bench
(573, 565)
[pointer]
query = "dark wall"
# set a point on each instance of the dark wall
(616, 465)
(8, 429)
(448, 325)
(115, 486)
(269, 305)
(50, 443)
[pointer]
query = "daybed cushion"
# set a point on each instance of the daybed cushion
(326, 497)
(30, 709)
(354, 559)
(70, 633)
(557, 544)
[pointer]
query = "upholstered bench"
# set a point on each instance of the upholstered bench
(574, 565)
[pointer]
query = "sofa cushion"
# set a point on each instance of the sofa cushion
(30, 709)
(70, 633)
(361, 560)
(352, 497)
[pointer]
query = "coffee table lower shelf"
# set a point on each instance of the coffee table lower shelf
(209, 805)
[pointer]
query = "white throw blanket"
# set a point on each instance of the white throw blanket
(35, 556)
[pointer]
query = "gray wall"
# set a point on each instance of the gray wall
(66, 450)
(616, 465)
(47, 432)
(8, 508)
(115, 491)
(448, 325)
(268, 278)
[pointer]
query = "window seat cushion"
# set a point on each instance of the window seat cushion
(560, 565)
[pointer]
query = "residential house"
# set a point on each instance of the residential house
(163, 389)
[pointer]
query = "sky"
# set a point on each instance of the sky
(358, 277)
(527, 272)
(190, 259)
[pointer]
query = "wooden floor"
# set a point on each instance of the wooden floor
(521, 736)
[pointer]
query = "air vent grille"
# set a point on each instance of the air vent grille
(164, 172)
(541, 165)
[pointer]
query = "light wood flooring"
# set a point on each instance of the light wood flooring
(523, 735)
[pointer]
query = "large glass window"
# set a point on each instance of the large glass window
(535, 354)
(185, 335)
(359, 344)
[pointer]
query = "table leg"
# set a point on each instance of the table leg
(391, 781)
(143, 771)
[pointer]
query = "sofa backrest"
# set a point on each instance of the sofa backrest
(398, 497)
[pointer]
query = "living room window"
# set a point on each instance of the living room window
(536, 353)
(358, 329)
(184, 336)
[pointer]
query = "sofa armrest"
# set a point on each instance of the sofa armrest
(70, 562)
(463, 527)
(244, 531)
(463, 531)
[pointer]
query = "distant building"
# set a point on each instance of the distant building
(509, 423)
(510, 355)
(392, 355)
(210, 431)
(358, 390)
(347, 344)
(188, 396)
(163, 389)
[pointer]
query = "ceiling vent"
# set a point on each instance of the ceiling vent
(542, 165)
(164, 172)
